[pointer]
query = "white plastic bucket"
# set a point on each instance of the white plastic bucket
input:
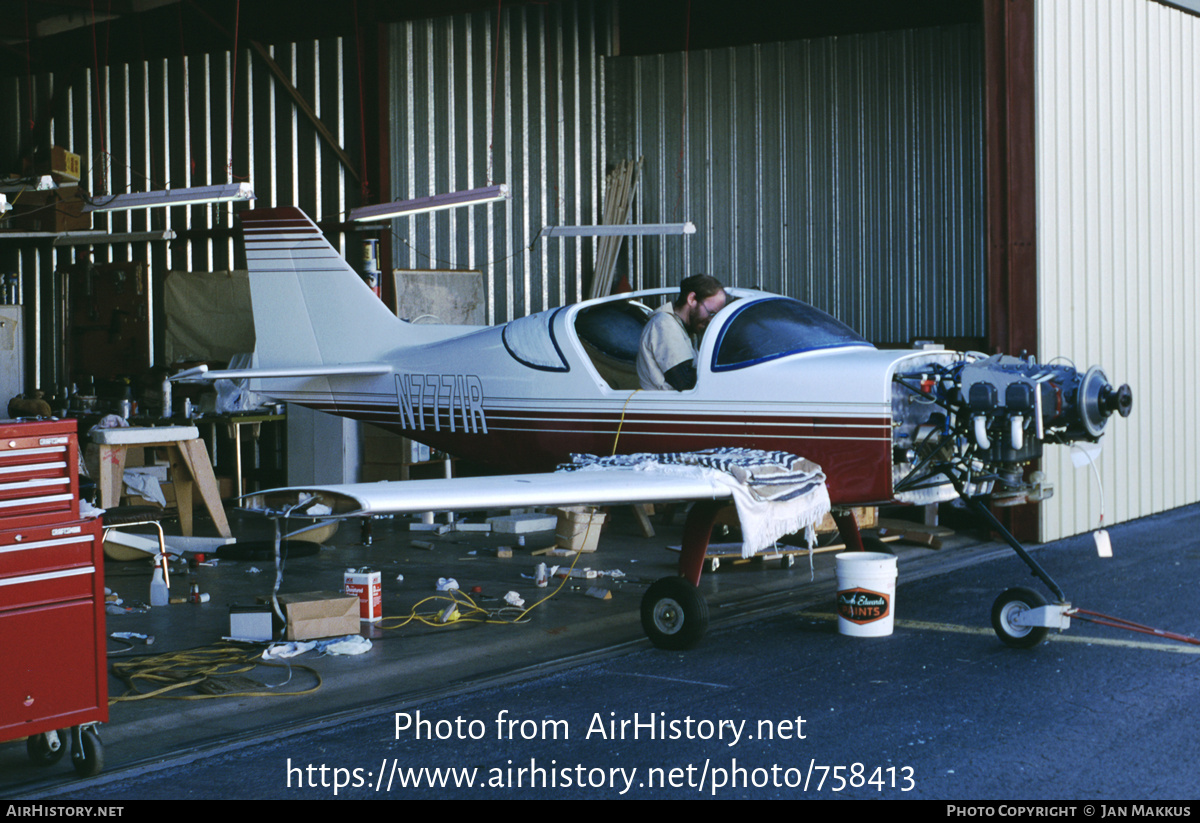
(866, 593)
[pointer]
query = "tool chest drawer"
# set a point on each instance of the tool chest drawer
(39, 471)
(53, 671)
(51, 564)
(46, 548)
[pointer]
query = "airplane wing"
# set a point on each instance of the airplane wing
(673, 612)
(598, 488)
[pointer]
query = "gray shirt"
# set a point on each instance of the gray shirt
(663, 346)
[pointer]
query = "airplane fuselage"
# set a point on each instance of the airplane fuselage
(468, 396)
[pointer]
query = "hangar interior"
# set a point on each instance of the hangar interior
(857, 133)
(871, 158)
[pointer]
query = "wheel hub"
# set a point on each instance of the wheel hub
(1012, 612)
(668, 616)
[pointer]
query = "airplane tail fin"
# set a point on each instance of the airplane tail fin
(310, 307)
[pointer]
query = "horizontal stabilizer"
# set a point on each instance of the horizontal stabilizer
(203, 372)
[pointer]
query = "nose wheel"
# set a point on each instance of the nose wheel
(1009, 614)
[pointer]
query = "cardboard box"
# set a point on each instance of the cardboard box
(158, 471)
(54, 210)
(312, 615)
(578, 528)
(168, 492)
(64, 166)
(386, 454)
(867, 516)
(367, 586)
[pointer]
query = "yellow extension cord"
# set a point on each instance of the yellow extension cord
(193, 667)
(476, 613)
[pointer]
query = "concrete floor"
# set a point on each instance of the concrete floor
(410, 662)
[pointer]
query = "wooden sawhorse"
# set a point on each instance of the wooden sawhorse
(189, 466)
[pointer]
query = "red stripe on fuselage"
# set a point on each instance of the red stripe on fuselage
(854, 452)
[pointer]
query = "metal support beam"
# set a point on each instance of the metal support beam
(304, 107)
(1012, 278)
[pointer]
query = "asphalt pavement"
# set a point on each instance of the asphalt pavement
(777, 704)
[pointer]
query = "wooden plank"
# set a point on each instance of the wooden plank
(181, 477)
(195, 455)
(643, 519)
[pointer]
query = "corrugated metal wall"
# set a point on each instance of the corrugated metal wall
(188, 121)
(473, 105)
(1118, 204)
(846, 171)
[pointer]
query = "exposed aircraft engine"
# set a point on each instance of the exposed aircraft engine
(977, 421)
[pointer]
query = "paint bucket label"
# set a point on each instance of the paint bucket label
(866, 593)
(862, 605)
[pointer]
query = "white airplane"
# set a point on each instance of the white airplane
(773, 374)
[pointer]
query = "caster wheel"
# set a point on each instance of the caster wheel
(87, 753)
(47, 749)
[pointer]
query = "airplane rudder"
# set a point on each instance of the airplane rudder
(292, 261)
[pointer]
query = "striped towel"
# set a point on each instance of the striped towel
(775, 493)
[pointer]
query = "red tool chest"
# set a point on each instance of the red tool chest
(52, 639)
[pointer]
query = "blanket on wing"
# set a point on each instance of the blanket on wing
(775, 493)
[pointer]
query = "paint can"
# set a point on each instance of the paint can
(866, 593)
(367, 585)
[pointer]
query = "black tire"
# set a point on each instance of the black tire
(1007, 606)
(87, 755)
(38, 748)
(674, 614)
(874, 544)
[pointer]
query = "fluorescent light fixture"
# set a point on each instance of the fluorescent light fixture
(13, 185)
(627, 230)
(101, 238)
(435, 202)
(4, 206)
(171, 197)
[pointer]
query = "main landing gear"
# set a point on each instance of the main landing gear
(674, 613)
